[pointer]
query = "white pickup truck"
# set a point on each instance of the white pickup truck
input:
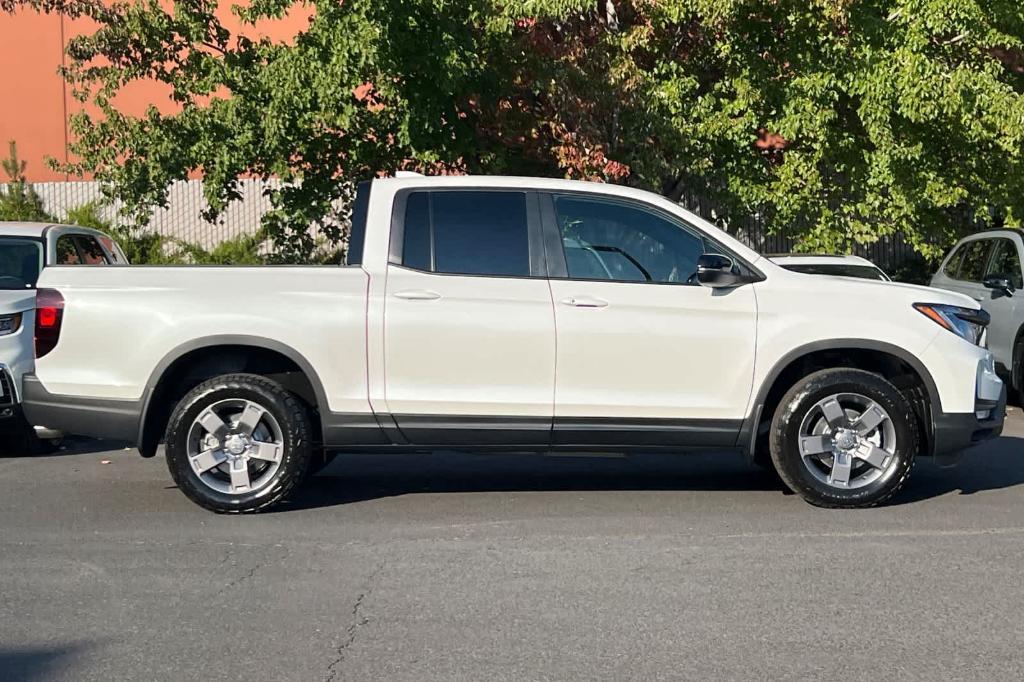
(520, 314)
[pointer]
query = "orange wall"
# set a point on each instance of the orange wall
(34, 101)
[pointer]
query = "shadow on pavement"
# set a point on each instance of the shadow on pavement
(37, 663)
(995, 465)
(356, 478)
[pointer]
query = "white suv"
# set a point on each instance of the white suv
(987, 267)
(25, 249)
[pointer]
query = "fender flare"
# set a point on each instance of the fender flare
(226, 340)
(748, 432)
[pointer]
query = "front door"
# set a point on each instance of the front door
(469, 330)
(645, 354)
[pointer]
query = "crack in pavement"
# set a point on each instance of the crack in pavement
(357, 622)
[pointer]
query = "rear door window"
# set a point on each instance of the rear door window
(468, 232)
(67, 252)
(90, 250)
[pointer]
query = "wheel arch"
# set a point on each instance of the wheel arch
(223, 353)
(802, 360)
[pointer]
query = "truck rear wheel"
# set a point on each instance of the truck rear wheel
(238, 443)
(844, 438)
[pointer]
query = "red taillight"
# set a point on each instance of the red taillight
(49, 315)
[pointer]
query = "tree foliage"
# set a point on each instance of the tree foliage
(836, 120)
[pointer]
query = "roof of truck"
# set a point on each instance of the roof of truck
(38, 230)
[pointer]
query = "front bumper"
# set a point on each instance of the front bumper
(954, 432)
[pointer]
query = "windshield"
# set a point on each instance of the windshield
(20, 262)
(839, 270)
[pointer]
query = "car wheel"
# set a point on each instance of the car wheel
(844, 438)
(22, 440)
(238, 443)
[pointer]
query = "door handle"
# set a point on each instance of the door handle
(418, 295)
(585, 302)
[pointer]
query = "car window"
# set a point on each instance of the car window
(972, 269)
(1006, 262)
(838, 270)
(67, 253)
(20, 262)
(622, 242)
(467, 232)
(114, 250)
(90, 250)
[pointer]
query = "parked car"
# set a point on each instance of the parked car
(839, 266)
(25, 249)
(520, 314)
(987, 267)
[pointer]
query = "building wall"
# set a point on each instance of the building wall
(35, 103)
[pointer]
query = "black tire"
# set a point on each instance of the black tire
(284, 407)
(1017, 374)
(799, 402)
(20, 439)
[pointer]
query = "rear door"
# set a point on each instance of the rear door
(469, 347)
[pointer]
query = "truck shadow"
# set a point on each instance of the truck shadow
(356, 478)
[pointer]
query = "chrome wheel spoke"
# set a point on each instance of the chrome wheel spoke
(213, 424)
(834, 413)
(239, 475)
(270, 452)
(815, 445)
(872, 417)
(841, 466)
(250, 418)
(872, 454)
(208, 459)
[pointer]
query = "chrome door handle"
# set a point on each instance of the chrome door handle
(418, 295)
(585, 302)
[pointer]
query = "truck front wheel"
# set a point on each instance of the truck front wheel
(844, 438)
(238, 443)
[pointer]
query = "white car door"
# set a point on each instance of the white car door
(644, 352)
(469, 331)
(1005, 308)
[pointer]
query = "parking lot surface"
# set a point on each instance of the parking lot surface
(505, 567)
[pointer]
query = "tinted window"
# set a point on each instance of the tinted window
(1006, 262)
(616, 241)
(114, 250)
(840, 270)
(20, 263)
(67, 254)
(357, 235)
(972, 269)
(90, 250)
(417, 241)
(467, 232)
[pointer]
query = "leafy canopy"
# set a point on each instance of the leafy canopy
(837, 120)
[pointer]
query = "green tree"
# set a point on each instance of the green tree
(18, 200)
(836, 120)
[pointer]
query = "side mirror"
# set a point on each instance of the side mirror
(999, 283)
(718, 272)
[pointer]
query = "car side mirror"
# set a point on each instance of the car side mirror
(999, 283)
(719, 272)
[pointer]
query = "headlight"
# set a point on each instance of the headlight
(10, 324)
(967, 323)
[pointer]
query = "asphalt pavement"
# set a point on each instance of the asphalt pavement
(503, 567)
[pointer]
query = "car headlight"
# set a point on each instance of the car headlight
(10, 324)
(967, 323)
